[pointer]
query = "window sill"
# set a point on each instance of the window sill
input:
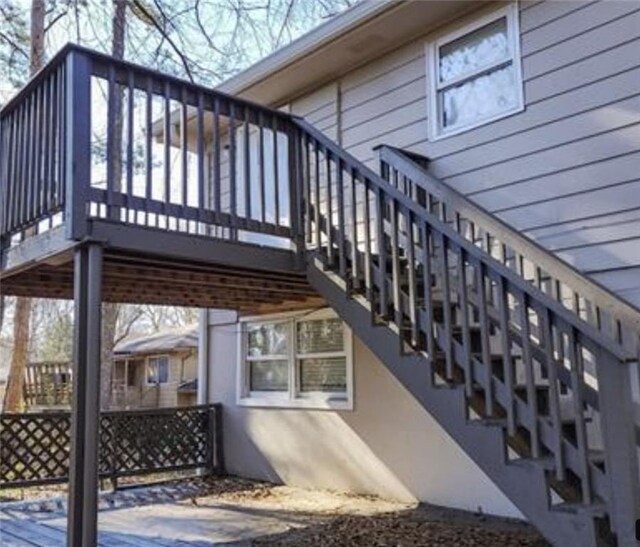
(301, 403)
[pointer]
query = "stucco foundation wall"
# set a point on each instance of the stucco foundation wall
(388, 445)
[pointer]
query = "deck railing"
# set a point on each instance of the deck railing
(35, 447)
(93, 137)
(48, 384)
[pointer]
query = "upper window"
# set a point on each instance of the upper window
(304, 361)
(475, 74)
(158, 370)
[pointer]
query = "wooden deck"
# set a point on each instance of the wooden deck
(18, 530)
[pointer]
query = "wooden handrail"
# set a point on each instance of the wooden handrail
(551, 264)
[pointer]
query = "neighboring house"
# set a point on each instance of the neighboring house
(156, 370)
(421, 262)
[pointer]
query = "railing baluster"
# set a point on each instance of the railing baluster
(47, 198)
(398, 316)
(7, 203)
(317, 207)
(355, 260)
(261, 177)
(485, 343)
(554, 395)
(342, 257)
(232, 167)
(130, 134)
(111, 137)
(24, 160)
(148, 188)
(246, 133)
(217, 180)
(532, 399)
(4, 181)
(577, 383)
(427, 289)
(37, 183)
(28, 165)
(507, 358)
(411, 273)
(446, 302)
(367, 242)
(307, 177)
(184, 145)
(167, 149)
(383, 307)
(463, 301)
(62, 133)
(329, 209)
(201, 158)
(276, 170)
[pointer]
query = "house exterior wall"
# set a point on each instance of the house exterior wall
(564, 171)
(388, 445)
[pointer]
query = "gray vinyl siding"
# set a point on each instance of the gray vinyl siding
(565, 171)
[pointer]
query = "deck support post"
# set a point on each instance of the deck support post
(82, 520)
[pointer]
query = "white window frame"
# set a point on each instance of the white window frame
(435, 88)
(146, 369)
(293, 397)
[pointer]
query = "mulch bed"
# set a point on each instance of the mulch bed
(424, 526)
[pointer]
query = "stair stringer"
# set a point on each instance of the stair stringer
(524, 486)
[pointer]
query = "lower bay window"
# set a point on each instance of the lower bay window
(302, 360)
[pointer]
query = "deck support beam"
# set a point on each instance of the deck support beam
(82, 523)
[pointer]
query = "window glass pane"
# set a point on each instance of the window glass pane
(480, 98)
(484, 47)
(269, 375)
(328, 375)
(267, 339)
(158, 370)
(320, 336)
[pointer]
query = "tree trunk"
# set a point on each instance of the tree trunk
(110, 314)
(110, 311)
(36, 53)
(22, 317)
(15, 380)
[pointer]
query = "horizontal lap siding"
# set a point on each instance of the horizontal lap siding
(566, 170)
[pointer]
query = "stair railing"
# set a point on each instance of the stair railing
(584, 297)
(452, 300)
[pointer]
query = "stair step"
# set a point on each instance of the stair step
(595, 510)
(548, 463)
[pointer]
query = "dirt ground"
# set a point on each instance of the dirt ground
(334, 519)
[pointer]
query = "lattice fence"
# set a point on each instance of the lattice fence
(35, 448)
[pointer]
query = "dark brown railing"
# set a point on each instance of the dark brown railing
(33, 140)
(145, 149)
(590, 301)
(34, 448)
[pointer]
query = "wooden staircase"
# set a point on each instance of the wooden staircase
(523, 384)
